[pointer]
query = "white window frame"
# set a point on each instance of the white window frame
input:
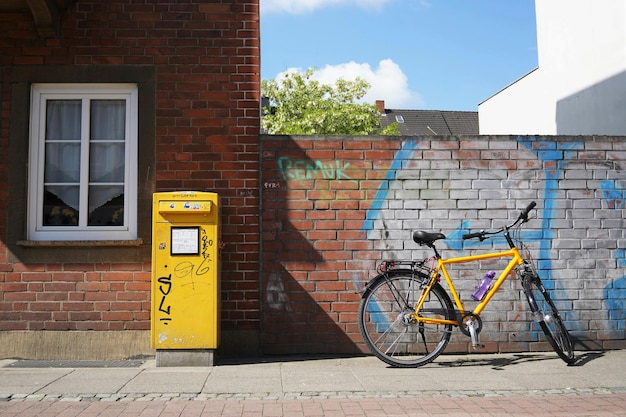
(40, 93)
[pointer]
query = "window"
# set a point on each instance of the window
(83, 162)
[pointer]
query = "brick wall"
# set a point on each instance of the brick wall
(203, 127)
(333, 207)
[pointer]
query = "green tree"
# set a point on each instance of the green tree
(299, 105)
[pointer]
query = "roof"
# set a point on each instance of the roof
(432, 122)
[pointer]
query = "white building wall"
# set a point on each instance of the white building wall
(579, 86)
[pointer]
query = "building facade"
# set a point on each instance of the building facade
(578, 86)
(103, 104)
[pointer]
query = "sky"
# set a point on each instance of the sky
(415, 54)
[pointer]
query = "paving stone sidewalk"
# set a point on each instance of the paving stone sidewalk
(536, 384)
(539, 406)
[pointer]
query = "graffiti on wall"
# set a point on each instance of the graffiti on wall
(404, 154)
(555, 162)
(615, 295)
(303, 169)
(614, 197)
(556, 158)
(614, 292)
(275, 294)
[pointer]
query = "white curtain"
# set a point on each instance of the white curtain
(62, 152)
(106, 154)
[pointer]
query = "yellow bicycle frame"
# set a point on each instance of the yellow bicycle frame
(516, 260)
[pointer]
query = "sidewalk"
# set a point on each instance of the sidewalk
(509, 384)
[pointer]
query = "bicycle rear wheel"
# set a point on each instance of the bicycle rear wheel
(546, 314)
(386, 324)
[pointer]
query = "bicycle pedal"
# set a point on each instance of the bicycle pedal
(478, 346)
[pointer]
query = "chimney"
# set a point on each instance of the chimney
(380, 105)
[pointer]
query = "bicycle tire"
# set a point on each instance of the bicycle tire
(385, 325)
(547, 315)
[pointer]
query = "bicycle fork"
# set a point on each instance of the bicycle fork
(528, 277)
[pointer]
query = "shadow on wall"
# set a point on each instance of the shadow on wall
(596, 110)
(298, 288)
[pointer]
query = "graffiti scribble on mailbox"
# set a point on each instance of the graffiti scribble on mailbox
(165, 288)
(184, 270)
(206, 254)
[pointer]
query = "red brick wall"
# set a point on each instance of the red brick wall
(76, 297)
(207, 65)
(315, 254)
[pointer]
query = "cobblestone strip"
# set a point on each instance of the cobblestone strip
(309, 395)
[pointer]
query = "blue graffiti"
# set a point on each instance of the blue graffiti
(547, 152)
(620, 254)
(454, 240)
(615, 198)
(614, 292)
(615, 295)
(555, 157)
(404, 154)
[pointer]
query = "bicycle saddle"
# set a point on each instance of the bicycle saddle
(427, 238)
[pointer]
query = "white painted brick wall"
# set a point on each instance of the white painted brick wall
(585, 232)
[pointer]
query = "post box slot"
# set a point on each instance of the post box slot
(185, 207)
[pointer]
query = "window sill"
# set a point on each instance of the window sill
(79, 243)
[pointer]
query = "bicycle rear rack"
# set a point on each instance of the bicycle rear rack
(417, 267)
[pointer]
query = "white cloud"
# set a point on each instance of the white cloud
(387, 82)
(304, 6)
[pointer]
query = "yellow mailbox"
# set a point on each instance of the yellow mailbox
(185, 265)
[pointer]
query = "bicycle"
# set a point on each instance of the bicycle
(406, 317)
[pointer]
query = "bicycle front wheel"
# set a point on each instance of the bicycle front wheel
(388, 326)
(546, 314)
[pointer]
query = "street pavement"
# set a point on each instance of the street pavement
(520, 384)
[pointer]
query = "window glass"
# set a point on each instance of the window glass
(83, 147)
(63, 119)
(108, 119)
(60, 205)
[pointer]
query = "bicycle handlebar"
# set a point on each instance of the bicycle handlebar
(473, 235)
(523, 216)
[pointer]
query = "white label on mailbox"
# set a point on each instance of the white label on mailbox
(185, 241)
